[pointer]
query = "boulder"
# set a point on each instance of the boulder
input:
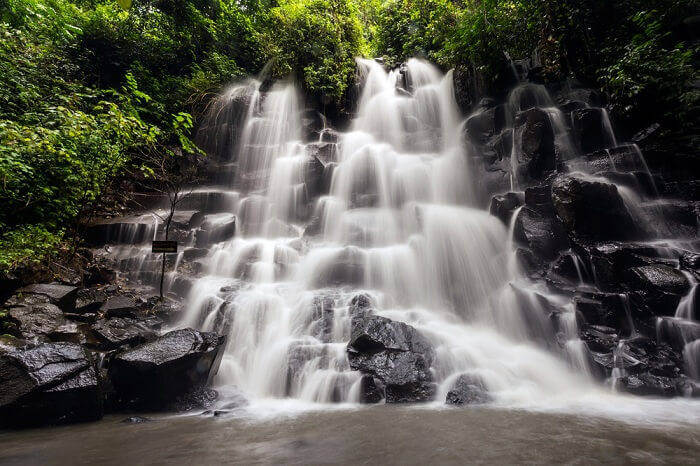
(52, 383)
(647, 385)
(36, 321)
(120, 306)
(503, 205)
(90, 300)
(119, 331)
(658, 286)
(395, 354)
(591, 129)
(467, 389)
(537, 153)
(155, 374)
(607, 309)
(592, 209)
(544, 236)
(485, 123)
(62, 296)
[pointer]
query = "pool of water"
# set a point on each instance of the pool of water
(367, 435)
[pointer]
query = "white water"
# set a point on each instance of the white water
(397, 225)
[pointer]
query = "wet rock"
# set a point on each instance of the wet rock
(542, 235)
(62, 296)
(467, 389)
(136, 420)
(314, 170)
(346, 268)
(607, 309)
(36, 321)
(120, 306)
(660, 287)
(530, 264)
(503, 205)
(361, 304)
(194, 253)
(394, 353)
(116, 332)
(677, 332)
(52, 383)
(537, 154)
(167, 370)
(298, 355)
(485, 123)
(99, 273)
(589, 127)
(215, 233)
(689, 261)
(592, 209)
(610, 261)
(599, 338)
(90, 300)
(370, 390)
(568, 268)
(647, 385)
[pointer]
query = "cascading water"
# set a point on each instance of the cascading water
(395, 224)
(388, 209)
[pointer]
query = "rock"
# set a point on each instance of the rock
(52, 383)
(168, 369)
(647, 385)
(370, 390)
(116, 332)
(90, 300)
(611, 261)
(37, 321)
(215, 233)
(314, 169)
(677, 332)
(503, 205)
(487, 122)
(467, 389)
(690, 261)
(136, 420)
(346, 268)
(591, 129)
(544, 236)
(99, 273)
(607, 309)
(531, 265)
(659, 286)
(592, 209)
(395, 354)
(537, 154)
(62, 296)
(120, 306)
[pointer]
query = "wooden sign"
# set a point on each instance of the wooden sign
(164, 247)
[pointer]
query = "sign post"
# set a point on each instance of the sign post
(164, 247)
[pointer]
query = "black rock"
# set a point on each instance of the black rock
(52, 383)
(118, 331)
(167, 370)
(62, 296)
(467, 389)
(660, 287)
(690, 261)
(590, 129)
(544, 236)
(90, 300)
(592, 209)
(136, 420)
(395, 354)
(370, 390)
(503, 205)
(120, 306)
(36, 321)
(537, 153)
(647, 385)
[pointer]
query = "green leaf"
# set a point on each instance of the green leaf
(125, 4)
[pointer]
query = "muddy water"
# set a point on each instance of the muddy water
(371, 435)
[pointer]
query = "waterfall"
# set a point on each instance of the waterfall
(396, 223)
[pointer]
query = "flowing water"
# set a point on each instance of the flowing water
(399, 219)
